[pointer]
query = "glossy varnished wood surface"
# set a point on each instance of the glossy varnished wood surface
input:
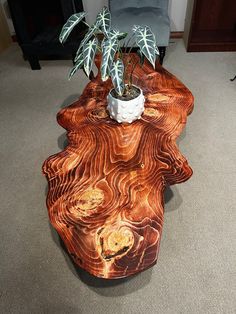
(105, 196)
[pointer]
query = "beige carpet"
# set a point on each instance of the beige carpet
(196, 270)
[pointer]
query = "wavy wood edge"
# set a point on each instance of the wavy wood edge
(105, 196)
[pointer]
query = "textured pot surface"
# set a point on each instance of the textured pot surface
(126, 110)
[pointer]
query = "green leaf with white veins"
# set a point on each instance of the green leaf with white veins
(157, 51)
(78, 65)
(136, 27)
(114, 33)
(109, 48)
(104, 20)
(145, 40)
(89, 52)
(89, 34)
(117, 76)
(69, 25)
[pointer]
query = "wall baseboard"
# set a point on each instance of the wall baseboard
(176, 34)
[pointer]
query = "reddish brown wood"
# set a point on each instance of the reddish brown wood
(176, 34)
(211, 25)
(105, 196)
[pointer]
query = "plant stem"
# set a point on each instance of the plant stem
(86, 23)
(131, 49)
(120, 51)
(126, 46)
(132, 71)
(130, 59)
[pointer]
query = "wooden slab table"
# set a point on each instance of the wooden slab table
(105, 196)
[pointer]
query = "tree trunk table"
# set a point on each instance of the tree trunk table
(105, 196)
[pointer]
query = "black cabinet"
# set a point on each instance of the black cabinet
(38, 24)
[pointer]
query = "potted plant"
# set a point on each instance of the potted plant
(125, 100)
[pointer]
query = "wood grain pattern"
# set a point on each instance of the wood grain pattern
(105, 196)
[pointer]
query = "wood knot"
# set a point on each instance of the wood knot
(99, 113)
(151, 112)
(87, 202)
(115, 243)
(90, 199)
(157, 97)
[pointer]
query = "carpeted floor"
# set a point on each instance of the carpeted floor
(196, 270)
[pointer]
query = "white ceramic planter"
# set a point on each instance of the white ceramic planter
(126, 111)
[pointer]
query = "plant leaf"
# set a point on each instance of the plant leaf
(114, 33)
(91, 31)
(122, 36)
(157, 51)
(69, 25)
(145, 40)
(117, 76)
(78, 65)
(109, 48)
(104, 20)
(89, 51)
(136, 27)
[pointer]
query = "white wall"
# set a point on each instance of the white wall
(177, 10)
(92, 7)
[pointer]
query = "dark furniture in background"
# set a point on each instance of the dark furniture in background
(210, 25)
(38, 24)
(154, 13)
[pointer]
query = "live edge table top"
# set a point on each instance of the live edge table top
(105, 196)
